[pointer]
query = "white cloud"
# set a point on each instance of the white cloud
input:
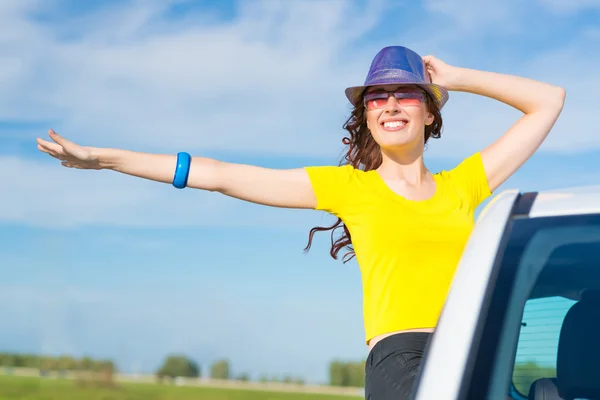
(269, 81)
(472, 122)
(471, 16)
(263, 82)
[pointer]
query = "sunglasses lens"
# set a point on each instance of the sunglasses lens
(374, 102)
(379, 99)
(409, 98)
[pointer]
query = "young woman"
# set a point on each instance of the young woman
(406, 225)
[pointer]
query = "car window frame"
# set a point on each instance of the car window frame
(501, 318)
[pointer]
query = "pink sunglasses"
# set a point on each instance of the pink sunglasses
(379, 98)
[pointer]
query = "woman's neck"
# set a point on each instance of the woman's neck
(407, 166)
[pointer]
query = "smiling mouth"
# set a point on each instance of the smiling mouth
(393, 125)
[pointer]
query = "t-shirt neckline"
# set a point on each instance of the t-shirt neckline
(386, 190)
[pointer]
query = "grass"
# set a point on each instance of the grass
(33, 388)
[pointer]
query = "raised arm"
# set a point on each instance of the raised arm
(541, 104)
(289, 188)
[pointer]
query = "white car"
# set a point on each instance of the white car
(522, 319)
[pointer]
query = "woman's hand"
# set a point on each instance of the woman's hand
(441, 73)
(71, 154)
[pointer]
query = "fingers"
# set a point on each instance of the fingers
(428, 61)
(67, 146)
(57, 138)
(70, 154)
(63, 147)
(53, 149)
(56, 151)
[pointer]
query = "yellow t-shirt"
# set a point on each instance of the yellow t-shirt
(407, 250)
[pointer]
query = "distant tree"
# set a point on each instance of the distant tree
(85, 364)
(8, 360)
(66, 363)
(103, 366)
(338, 374)
(263, 379)
(243, 377)
(28, 361)
(220, 370)
(356, 374)
(49, 363)
(346, 374)
(177, 365)
(524, 374)
(299, 381)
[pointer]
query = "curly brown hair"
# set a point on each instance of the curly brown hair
(365, 154)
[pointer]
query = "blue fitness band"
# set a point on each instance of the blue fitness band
(182, 170)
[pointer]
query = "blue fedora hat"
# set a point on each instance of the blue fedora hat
(397, 65)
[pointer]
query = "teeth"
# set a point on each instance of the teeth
(394, 124)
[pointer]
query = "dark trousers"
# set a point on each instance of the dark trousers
(393, 365)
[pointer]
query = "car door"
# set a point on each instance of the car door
(512, 259)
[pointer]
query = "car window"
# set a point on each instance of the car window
(563, 258)
(538, 341)
(547, 278)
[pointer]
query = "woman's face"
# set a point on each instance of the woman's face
(397, 118)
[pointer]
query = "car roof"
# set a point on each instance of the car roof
(569, 201)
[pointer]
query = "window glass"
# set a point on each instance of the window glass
(562, 255)
(538, 341)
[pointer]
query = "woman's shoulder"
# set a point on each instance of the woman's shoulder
(336, 177)
(345, 169)
(468, 178)
(468, 166)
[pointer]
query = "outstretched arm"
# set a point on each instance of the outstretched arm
(540, 103)
(279, 188)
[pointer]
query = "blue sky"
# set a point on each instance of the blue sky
(112, 266)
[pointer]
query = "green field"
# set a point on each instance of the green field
(26, 388)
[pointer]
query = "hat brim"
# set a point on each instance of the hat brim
(438, 93)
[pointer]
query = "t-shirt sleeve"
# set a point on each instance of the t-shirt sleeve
(470, 179)
(332, 186)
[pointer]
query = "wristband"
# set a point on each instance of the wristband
(182, 170)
